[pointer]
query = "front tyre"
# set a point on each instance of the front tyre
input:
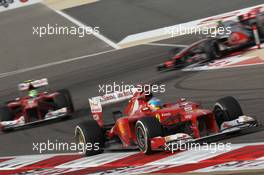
(90, 135)
(161, 67)
(146, 129)
(67, 98)
(5, 114)
(227, 109)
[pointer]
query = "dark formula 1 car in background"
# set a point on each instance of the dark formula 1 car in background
(244, 33)
(5, 3)
(35, 107)
(152, 127)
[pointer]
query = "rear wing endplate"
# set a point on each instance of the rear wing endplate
(96, 103)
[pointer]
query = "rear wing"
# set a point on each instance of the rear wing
(35, 83)
(96, 103)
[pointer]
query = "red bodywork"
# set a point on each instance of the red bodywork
(170, 115)
(23, 106)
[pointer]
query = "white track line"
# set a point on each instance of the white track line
(163, 33)
(80, 24)
(165, 45)
(19, 71)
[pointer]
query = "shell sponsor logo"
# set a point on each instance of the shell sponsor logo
(158, 116)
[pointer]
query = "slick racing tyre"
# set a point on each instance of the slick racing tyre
(146, 129)
(67, 99)
(212, 50)
(227, 109)
(161, 67)
(63, 99)
(5, 114)
(90, 135)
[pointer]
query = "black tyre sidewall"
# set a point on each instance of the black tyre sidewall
(230, 107)
(68, 98)
(60, 101)
(92, 134)
(151, 128)
(5, 114)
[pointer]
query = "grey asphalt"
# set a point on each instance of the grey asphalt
(131, 65)
(119, 18)
(20, 48)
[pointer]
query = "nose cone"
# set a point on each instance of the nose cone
(169, 63)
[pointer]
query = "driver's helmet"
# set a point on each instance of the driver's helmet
(33, 93)
(155, 103)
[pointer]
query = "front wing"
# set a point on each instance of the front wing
(19, 123)
(169, 143)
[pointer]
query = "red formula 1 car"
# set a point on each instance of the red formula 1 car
(236, 35)
(35, 107)
(150, 127)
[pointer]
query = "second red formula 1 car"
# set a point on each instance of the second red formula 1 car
(35, 107)
(149, 125)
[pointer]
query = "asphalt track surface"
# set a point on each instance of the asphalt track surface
(21, 49)
(119, 18)
(131, 65)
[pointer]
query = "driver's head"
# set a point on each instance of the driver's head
(148, 96)
(33, 93)
(155, 103)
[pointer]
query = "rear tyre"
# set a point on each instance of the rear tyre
(5, 114)
(146, 129)
(227, 109)
(91, 136)
(161, 67)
